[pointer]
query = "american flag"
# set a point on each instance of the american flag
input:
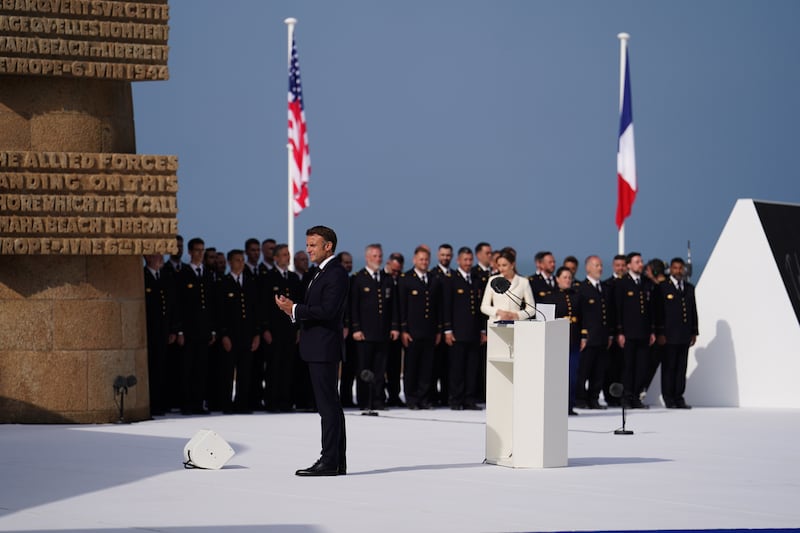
(298, 137)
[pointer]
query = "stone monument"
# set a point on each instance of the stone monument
(78, 206)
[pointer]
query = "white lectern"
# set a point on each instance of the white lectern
(526, 394)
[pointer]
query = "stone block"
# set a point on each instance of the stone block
(103, 367)
(27, 325)
(119, 276)
(134, 327)
(52, 381)
(87, 325)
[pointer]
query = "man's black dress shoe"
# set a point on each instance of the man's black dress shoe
(472, 407)
(682, 405)
(572, 412)
(319, 469)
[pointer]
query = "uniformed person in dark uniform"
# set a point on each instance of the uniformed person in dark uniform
(613, 373)
(197, 328)
(267, 254)
(482, 271)
(634, 329)
(440, 394)
(676, 329)
(159, 299)
(420, 327)
(654, 271)
(169, 273)
(464, 332)
(543, 281)
(567, 304)
(374, 322)
(394, 360)
(347, 368)
(596, 334)
(283, 353)
(240, 320)
(259, 273)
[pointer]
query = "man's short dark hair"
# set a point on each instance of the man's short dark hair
(541, 255)
(620, 257)
(481, 245)
(397, 256)
(250, 241)
(340, 255)
(464, 250)
(630, 256)
(235, 251)
(561, 270)
(571, 259)
(446, 247)
(327, 234)
(422, 248)
(677, 260)
(269, 240)
(195, 241)
(657, 267)
(279, 247)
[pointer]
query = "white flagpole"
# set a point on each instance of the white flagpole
(623, 48)
(290, 22)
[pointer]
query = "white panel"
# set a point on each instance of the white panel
(747, 351)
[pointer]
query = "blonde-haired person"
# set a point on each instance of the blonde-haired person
(502, 306)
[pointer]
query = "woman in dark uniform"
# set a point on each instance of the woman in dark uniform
(568, 306)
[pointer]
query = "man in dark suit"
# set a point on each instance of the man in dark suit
(464, 332)
(596, 334)
(482, 271)
(420, 326)
(394, 358)
(196, 296)
(240, 320)
(675, 310)
(283, 350)
(160, 314)
(613, 372)
(634, 329)
(347, 373)
(321, 341)
(374, 322)
(440, 395)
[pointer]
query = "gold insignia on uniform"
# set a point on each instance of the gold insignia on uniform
(630, 293)
(190, 286)
(276, 289)
(414, 292)
(148, 289)
(591, 300)
(230, 295)
(670, 296)
(366, 289)
(573, 319)
(542, 293)
(460, 291)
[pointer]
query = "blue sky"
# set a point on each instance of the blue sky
(462, 121)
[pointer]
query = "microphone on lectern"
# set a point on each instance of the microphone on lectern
(500, 285)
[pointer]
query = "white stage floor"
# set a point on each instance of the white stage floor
(408, 471)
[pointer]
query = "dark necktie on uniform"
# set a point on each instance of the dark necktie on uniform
(468, 279)
(424, 279)
(239, 279)
(157, 276)
(637, 281)
(377, 278)
(286, 275)
(199, 272)
(598, 287)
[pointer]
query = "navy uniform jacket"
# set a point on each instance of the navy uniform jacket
(568, 306)
(481, 275)
(321, 315)
(632, 307)
(675, 313)
(462, 308)
(159, 300)
(420, 314)
(373, 306)
(240, 310)
(195, 298)
(276, 321)
(540, 287)
(597, 323)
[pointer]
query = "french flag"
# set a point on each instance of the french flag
(626, 158)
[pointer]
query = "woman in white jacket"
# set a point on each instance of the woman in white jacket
(502, 306)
